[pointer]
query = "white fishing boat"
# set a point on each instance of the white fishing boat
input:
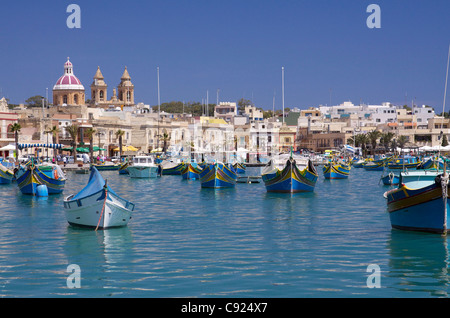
(143, 167)
(97, 205)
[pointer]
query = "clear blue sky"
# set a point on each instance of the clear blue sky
(237, 46)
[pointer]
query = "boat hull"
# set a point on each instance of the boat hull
(218, 176)
(240, 168)
(374, 166)
(6, 176)
(176, 170)
(33, 177)
(290, 179)
(143, 171)
(336, 171)
(106, 167)
(191, 172)
(420, 209)
(94, 211)
(390, 179)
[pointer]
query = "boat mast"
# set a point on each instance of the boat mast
(159, 108)
(282, 88)
(444, 179)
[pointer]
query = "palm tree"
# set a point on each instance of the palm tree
(119, 134)
(401, 141)
(90, 134)
(359, 140)
(386, 139)
(373, 137)
(73, 132)
(165, 138)
(54, 131)
(15, 128)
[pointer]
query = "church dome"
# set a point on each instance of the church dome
(68, 80)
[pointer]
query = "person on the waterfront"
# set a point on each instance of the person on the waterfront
(64, 160)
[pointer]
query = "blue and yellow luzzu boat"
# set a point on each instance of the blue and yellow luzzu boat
(374, 166)
(420, 203)
(123, 168)
(106, 166)
(292, 178)
(390, 178)
(358, 163)
(431, 164)
(49, 175)
(408, 162)
(172, 168)
(239, 167)
(191, 172)
(336, 171)
(6, 175)
(218, 175)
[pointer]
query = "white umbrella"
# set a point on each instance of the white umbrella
(8, 148)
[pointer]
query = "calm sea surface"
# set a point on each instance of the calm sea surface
(184, 241)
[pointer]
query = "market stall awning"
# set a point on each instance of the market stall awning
(126, 148)
(53, 146)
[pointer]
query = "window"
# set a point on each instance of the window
(75, 99)
(128, 96)
(65, 99)
(101, 95)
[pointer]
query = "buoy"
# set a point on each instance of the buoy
(41, 190)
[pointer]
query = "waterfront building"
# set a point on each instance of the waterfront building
(8, 118)
(225, 111)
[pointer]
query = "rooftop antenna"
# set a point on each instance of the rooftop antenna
(273, 104)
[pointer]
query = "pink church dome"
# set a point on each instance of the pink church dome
(68, 80)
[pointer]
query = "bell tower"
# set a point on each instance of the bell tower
(126, 89)
(98, 89)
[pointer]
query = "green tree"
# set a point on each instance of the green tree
(444, 141)
(90, 132)
(54, 131)
(373, 138)
(165, 138)
(15, 128)
(386, 139)
(119, 134)
(73, 132)
(401, 141)
(242, 103)
(35, 101)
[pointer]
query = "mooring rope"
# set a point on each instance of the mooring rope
(104, 203)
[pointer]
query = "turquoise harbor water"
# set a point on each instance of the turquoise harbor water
(184, 241)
